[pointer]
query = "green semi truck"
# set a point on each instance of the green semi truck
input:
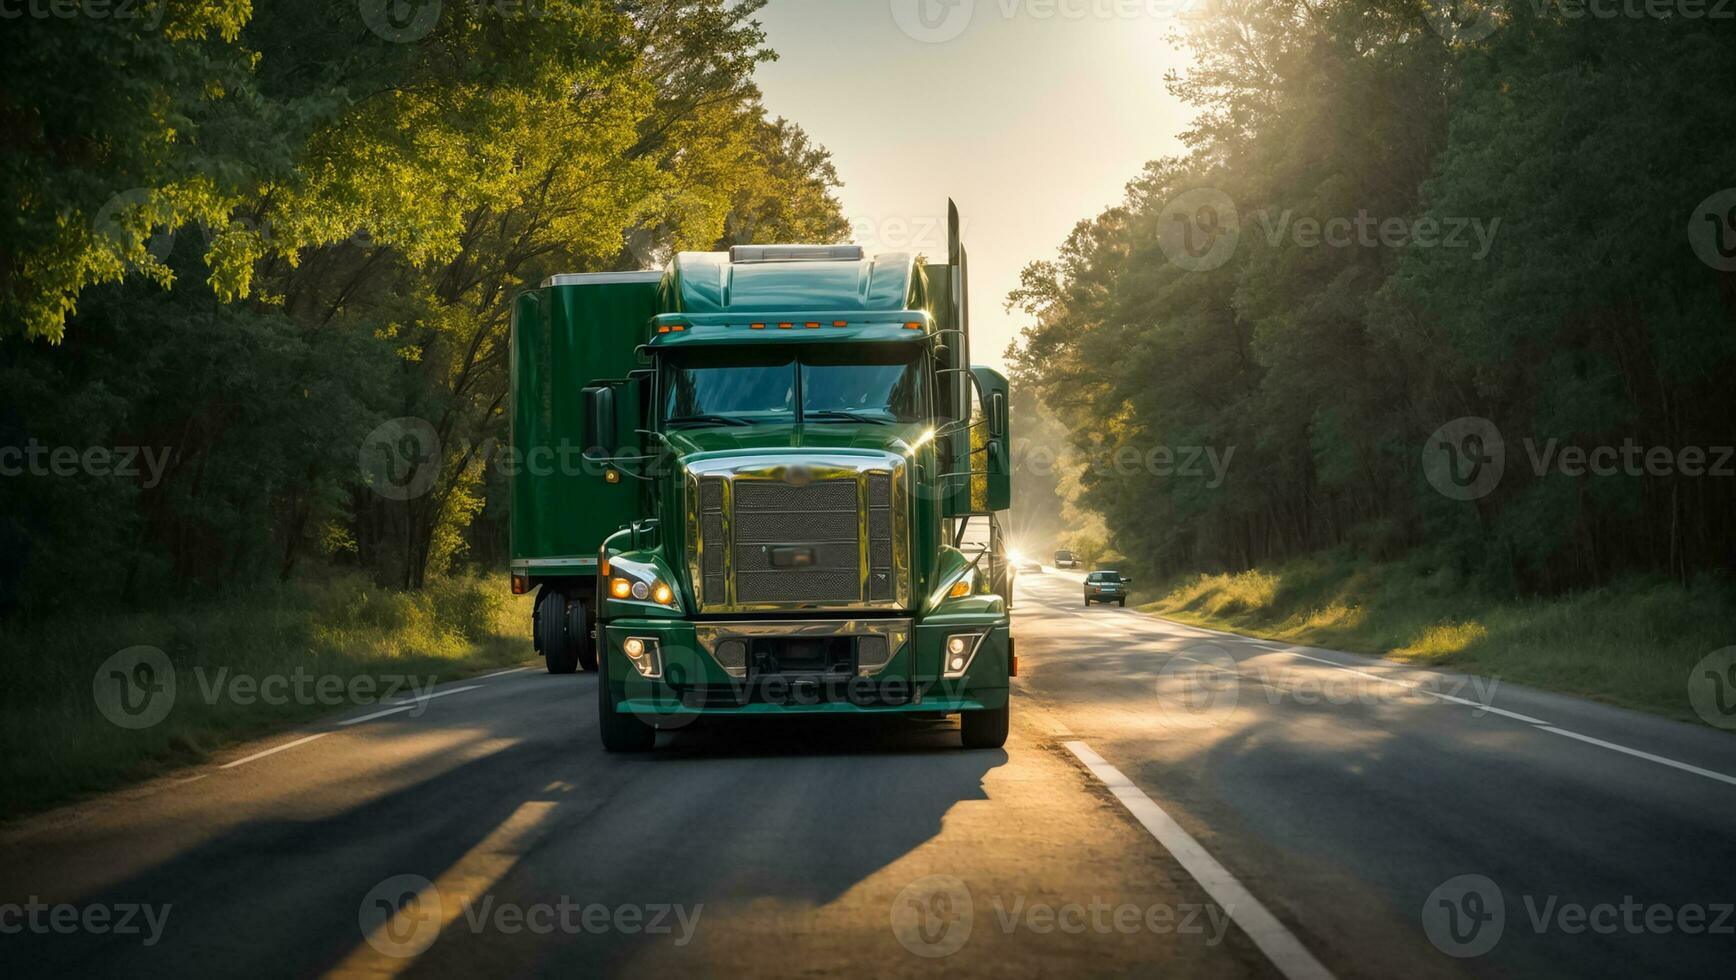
(742, 486)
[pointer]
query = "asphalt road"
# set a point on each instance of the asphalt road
(1171, 802)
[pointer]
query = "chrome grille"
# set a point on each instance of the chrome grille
(880, 537)
(822, 515)
(711, 536)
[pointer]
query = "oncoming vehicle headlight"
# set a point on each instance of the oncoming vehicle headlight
(645, 655)
(960, 650)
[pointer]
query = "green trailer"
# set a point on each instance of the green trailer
(741, 486)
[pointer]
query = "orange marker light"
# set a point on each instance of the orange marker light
(758, 326)
(520, 584)
(677, 327)
(913, 326)
(786, 326)
(813, 326)
(840, 323)
(663, 329)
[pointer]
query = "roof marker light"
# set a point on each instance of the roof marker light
(840, 323)
(786, 326)
(814, 326)
(758, 326)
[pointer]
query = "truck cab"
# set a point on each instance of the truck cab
(776, 470)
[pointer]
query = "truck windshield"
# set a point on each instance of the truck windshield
(854, 384)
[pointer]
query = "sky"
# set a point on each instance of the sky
(1031, 114)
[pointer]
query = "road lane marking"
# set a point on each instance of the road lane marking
(509, 670)
(383, 953)
(287, 745)
(1280, 946)
(1660, 760)
(1537, 723)
(408, 704)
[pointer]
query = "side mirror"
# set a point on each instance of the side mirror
(991, 458)
(1126, 581)
(599, 428)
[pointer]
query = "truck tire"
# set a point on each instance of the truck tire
(1122, 603)
(559, 652)
(986, 729)
(579, 635)
(621, 732)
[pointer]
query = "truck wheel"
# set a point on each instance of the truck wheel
(985, 729)
(621, 732)
(558, 650)
(579, 636)
(1122, 603)
(1087, 603)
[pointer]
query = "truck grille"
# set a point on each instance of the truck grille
(822, 516)
(763, 535)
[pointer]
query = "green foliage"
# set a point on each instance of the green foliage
(361, 207)
(338, 628)
(1630, 642)
(1584, 317)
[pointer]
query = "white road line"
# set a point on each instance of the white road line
(1660, 760)
(1281, 947)
(509, 670)
(287, 745)
(408, 704)
(1480, 706)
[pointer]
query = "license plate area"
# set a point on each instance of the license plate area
(768, 655)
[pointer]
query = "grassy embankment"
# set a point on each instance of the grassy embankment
(353, 636)
(1631, 644)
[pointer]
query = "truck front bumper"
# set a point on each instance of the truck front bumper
(683, 679)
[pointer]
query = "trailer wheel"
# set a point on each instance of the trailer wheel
(559, 653)
(986, 729)
(621, 732)
(579, 635)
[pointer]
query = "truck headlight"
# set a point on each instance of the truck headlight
(961, 649)
(645, 655)
(640, 582)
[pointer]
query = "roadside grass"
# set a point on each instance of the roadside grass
(356, 639)
(1633, 643)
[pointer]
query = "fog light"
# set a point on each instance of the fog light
(642, 652)
(620, 588)
(641, 590)
(960, 651)
(663, 594)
